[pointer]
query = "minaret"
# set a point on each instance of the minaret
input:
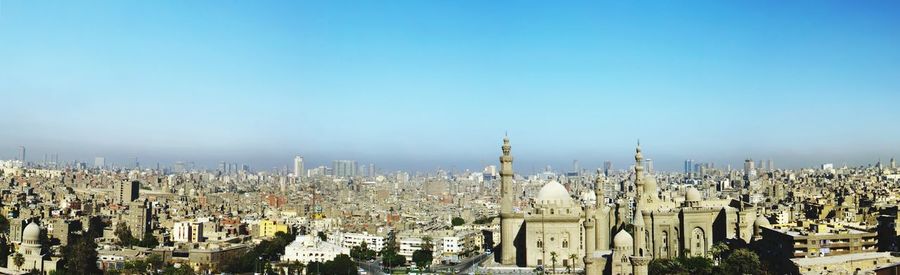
(506, 177)
(601, 212)
(640, 256)
(507, 216)
(638, 177)
(599, 183)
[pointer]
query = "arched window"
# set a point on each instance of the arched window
(565, 243)
(540, 243)
(699, 240)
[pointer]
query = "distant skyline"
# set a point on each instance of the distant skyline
(417, 85)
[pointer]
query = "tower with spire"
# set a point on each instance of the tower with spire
(510, 221)
(640, 257)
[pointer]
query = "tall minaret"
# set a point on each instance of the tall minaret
(599, 183)
(638, 177)
(507, 216)
(601, 213)
(640, 256)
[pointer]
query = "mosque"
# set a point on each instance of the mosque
(34, 258)
(593, 235)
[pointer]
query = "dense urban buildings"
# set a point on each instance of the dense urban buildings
(491, 220)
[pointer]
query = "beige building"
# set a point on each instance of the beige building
(34, 257)
(580, 234)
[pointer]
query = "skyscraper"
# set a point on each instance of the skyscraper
(749, 169)
(649, 164)
(688, 166)
(99, 162)
(22, 154)
(344, 168)
(607, 166)
(771, 165)
(299, 172)
(127, 191)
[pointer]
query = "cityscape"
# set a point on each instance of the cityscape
(436, 137)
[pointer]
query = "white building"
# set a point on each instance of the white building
(187, 232)
(410, 245)
(351, 240)
(308, 248)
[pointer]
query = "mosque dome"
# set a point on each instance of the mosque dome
(553, 192)
(588, 196)
(32, 232)
(623, 239)
(762, 222)
(693, 195)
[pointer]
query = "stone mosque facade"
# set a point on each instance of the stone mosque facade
(594, 231)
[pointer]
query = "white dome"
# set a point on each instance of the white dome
(762, 222)
(553, 192)
(588, 196)
(693, 195)
(32, 232)
(623, 239)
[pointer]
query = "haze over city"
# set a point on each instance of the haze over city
(427, 84)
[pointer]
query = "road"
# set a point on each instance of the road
(464, 267)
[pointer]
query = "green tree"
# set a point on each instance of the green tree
(718, 250)
(95, 227)
(4, 251)
(135, 267)
(742, 261)
(666, 266)
(155, 261)
(4, 225)
(553, 260)
(18, 260)
(697, 265)
(149, 241)
(80, 256)
(572, 259)
(322, 236)
(422, 258)
(124, 234)
(341, 265)
(427, 243)
(391, 259)
(362, 252)
(457, 221)
(181, 270)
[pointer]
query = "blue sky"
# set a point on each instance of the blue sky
(425, 84)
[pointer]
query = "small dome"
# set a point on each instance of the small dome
(762, 222)
(32, 232)
(623, 239)
(692, 195)
(553, 191)
(588, 196)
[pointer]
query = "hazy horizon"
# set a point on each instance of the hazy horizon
(417, 85)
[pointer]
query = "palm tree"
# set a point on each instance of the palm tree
(572, 259)
(18, 260)
(553, 260)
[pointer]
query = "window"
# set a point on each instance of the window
(565, 262)
(540, 244)
(540, 262)
(565, 244)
